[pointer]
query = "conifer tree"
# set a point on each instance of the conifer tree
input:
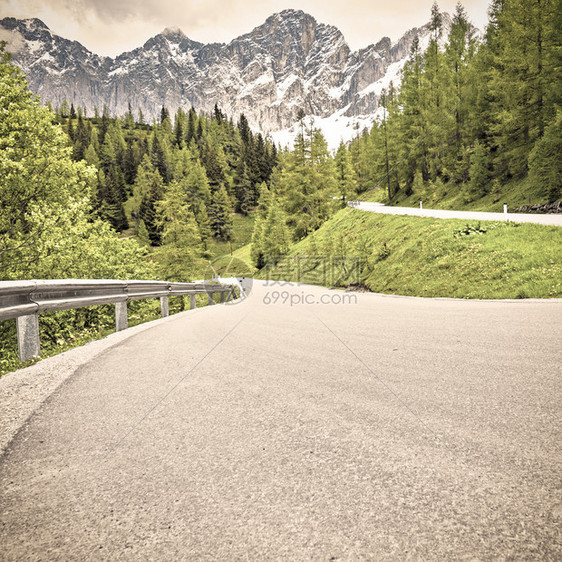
(546, 160)
(203, 223)
(479, 171)
(160, 155)
(179, 128)
(275, 237)
(81, 139)
(148, 189)
(262, 211)
(219, 214)
(346, 177)
(181, 244)
(243, 189)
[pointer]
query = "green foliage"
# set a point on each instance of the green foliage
(469, 229)
(276, 237)
(306, 184)
(424, 257)
(264, 204)
(220, 209)
(345, 175)
(470, 113)
(47, 229)
(546, 160)
(479, 170)
(179, 257)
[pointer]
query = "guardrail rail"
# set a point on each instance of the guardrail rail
(25, 300)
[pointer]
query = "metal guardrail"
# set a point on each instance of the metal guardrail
(25, 300)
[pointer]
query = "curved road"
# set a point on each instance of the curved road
(279, 428)
(547, 219)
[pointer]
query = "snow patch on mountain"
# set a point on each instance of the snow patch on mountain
(336, 128)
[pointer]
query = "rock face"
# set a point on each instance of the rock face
(545, 208)
(288, 63)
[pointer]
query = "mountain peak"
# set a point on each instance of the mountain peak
(28, 23)
(290, 16)
(174, 33)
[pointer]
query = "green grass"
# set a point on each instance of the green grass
(430, 257)
(514, 192)
(242, 229)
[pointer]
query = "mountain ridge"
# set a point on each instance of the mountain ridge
(289, 62)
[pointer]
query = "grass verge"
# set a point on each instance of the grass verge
(429, 257)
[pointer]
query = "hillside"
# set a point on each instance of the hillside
(428, 257)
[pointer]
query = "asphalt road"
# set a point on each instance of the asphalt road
(386, 429)
(547, 219)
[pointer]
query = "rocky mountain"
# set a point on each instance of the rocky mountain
(289, 62)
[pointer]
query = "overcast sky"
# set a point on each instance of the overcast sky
(109, 27)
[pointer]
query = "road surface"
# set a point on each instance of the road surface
(550, 219)
(280, 428)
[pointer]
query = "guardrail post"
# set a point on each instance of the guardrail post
(223, 296)
(121, 322)
(192, 302)
(211, 301)
(29, 346)
(164, 306)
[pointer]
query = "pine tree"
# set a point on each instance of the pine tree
(346, 177)
(546, 160)
(81, 139)
(307, 183)
(129, 120)
(203, 223)
(387, 144)
(264, 204)
(459, 53)
(479, 171)
(525, 42)
(275, 237)
(142, 233)
(191, 126)
(181, 249)
(70, 130)
(219, 214)
(243, 189)
(412, 124)
(197, 185)
(179, 128)
(131, 161)
(160, 155)
(148, 189)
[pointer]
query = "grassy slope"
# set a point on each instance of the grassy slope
(242, 228)
(515, 193)
(429, 257)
